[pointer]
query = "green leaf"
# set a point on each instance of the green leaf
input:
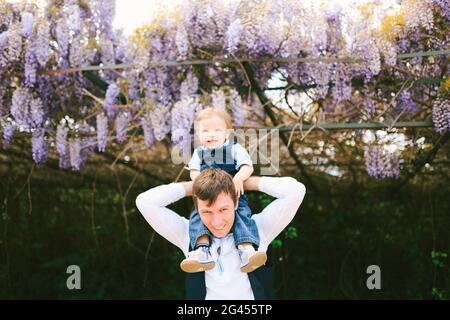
(277, 243)
(291, 233)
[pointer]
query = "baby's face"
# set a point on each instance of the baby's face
(212, 131)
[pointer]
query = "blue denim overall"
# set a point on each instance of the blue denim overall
(244, 228)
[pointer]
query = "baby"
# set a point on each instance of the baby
(216, 151)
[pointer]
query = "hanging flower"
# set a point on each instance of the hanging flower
(218, 99)
(102, 131)
(122, 121)
(189, 86)
(183, 115)
(110, 99)
(381, 163)
(27, 24)
(233, 36)
(39, 146)
(146, 123)
(441, 115)
(237, 109)
(75, 154)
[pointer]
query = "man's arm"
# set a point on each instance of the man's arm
(280, 212)
(194, 174)
(152, 204)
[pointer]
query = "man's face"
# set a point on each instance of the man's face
(219, 216)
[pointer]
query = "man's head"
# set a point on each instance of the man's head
(213, 127)
(215, 199)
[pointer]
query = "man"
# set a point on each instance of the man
(214, 196)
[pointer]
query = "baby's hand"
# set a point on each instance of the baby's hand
(239, 186)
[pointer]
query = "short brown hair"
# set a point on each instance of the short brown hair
(210, 183)
(210, 111)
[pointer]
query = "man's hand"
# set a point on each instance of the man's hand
(188, 187)
(238, 186)
(194, 174)
(252, 183)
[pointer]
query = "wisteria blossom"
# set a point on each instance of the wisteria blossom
(8, 132)
(441, 115)
(146, 123)
(76, 159)
(405, 102)
(102, 131)
(122, 121)
(42, 47)
(381, 163)
(160, 118)
(109, 104)
(39, 146)
(218, 99)
(237, 110)
(61, 139)
(183, 115)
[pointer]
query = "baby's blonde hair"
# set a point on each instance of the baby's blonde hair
(210, 112)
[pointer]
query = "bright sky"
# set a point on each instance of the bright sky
(133, 13)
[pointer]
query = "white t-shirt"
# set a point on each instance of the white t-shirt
(225, 280)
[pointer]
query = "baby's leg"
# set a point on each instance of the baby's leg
(246, 237)
(199, 258)
(245, 230)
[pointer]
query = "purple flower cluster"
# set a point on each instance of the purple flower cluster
(369, 107)
(13, 47)
(441, 115)
(218, 100)
(183, 115)
(237, 109)
(8, 132)
(109, 104)
(342, 89)
(122, 121)
(107, 11)
(146, 123)
(189, 86)
(30, 66)
(405, 102)
(102, 131)
(133, 86)
(182, 42)
(20, 108)
(39, 146)
(443, 7)
(27, 24)
(381, 163)
(76, 159)
(71, 33)
(233, 36)
(161, 121)
(74, 18)
(62, 146)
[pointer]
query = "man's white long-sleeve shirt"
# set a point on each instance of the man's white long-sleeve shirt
(225, 281)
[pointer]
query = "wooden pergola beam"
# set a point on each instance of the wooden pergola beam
(354, 125)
